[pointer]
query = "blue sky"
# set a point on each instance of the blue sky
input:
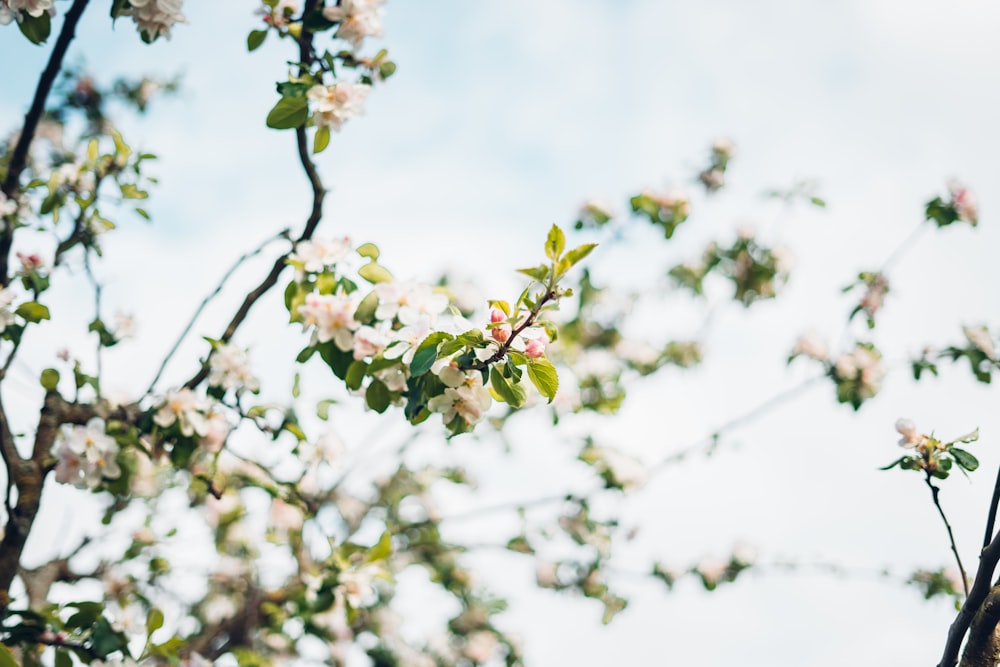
(503, 117)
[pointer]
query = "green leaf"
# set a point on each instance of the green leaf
(368, 250)
(50, 379)
(968, 437)
(423, 359)
(964, 459)
(539, 273)
(377, 396)
(322, 139)
(32, 311)
(356, 374)
(365, 312)
(818, 201)
(544, 376)
(895, 463)
(35, 28)
(555, 243)
(62, 658)
(512, 394)
(381, 550)
(155, 621)
(6, 659)
(288, 113)
(255, 39)
(375, 273)
(578, 253)
(323, 408)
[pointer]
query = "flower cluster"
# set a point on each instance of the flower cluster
(756, 271)
(86, 455)
(876, 286)
(930, 455)
(594, 213)
(858, 374)
(397, 345)
(713, 177)
(229, 368)
(960, 206)
(196, 418)
(667, 210)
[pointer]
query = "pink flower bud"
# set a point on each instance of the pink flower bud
(534, 348)
(496, 315)
(501, 334)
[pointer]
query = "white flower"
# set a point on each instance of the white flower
(408, 301)
(7, 206)
(86, 455)
(358, 19)
(811, 345)
(979, 337)
(229, 368)
(480, 645)
(370, 341)
(34, 8)
(315, 255)
(723, 148)
(335, 104)
(907, 429)
(547, 574)
(863, 366)
(333, 317)
(6, 16)
(6, 313)
(469, 401)
(281, 15)
(393, 377)
(187, 409)
(156, 17)
(358, 585)
(712, 570)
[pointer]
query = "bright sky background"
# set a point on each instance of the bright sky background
(501, 120)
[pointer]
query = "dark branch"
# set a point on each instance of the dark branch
(19, 158)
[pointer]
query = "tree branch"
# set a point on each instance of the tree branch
(983, 647)
(316, 214)
(981, 586)
(19, 157)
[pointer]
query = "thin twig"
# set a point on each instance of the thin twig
(991, 519)
(710, 441)
(903, 247)
(19, 157)
(315, 215)
(951, 537)
(97, 314)
(283, 234)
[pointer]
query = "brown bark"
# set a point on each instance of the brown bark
(983, 646)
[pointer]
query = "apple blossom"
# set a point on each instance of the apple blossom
(357, 18)
(187, 409)
(156, 17)
(964, 203)
(468, 401)
(337, 103)
(501, 332)
(6, 313)
(911, 438)
(811, 345)
(281, 14)
(333, 317)
(86, 455)
(370, 341)
(7, 205)
(229, 368)
(34, 8)
(981, 339)
(317, 255)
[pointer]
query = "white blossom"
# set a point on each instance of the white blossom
(156, 17)
(186, 408)
(229, 368)
(964, 202)
(358, 585)
(907, 429)
(981, 339)
(811, 345)
(469, 401)
(335, 104)
(86, 455)
(6, 312)
(358, 19)
(318, 254)
(7, 206)
(33, 8)
(333, 317)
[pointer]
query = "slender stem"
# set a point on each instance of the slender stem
(550, 294)
(992, 517)
(709, 442)
(283, 234)
(951, 537)
(315, 215)
(97, 313)
(19, 157)
(903, 247)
